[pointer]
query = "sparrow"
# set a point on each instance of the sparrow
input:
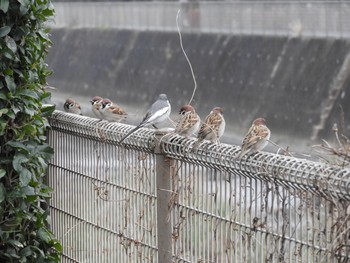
(157, 113)
(256, 139)
(111, 111)
(96, 105)
(213, 127)
(72, 106)
(188, 122)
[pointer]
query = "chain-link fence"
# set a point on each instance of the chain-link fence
(294, 18)
(157, 198)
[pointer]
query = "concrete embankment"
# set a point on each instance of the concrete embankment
(295, 83)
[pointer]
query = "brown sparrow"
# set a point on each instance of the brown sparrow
(188, 122)
(96, 105)
(157, 113)
(213, 127)
(72, 106)
(111, 111)
(256, 139)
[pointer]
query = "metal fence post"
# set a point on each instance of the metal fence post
(163, 197)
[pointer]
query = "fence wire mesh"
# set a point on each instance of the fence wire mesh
(264, 208)
(103, 209)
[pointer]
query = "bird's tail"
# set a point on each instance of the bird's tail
(241, 154)
(130, 132)
(196, 144)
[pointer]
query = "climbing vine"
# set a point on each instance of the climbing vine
(24, 155)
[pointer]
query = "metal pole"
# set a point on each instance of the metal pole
(163, 178)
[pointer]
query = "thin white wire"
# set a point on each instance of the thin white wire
(184, 52)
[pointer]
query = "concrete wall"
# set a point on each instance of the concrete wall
(290, 81)
(306, 18)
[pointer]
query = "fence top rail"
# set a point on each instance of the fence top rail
(331, 182)
(95, 129)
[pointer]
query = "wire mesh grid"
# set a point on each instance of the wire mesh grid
(264, 208)
(104, 205)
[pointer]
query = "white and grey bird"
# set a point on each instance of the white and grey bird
(188, 122)
(72, 106)
(96, 105)
(157, 113)
(111, 111)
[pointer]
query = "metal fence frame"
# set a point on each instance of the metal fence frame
(204, 205)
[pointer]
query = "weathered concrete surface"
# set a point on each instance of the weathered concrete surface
(305, 18)
(285, 80)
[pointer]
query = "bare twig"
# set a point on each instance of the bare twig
(286, 150)
(337, 154)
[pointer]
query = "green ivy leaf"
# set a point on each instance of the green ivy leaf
(4, 30)
(3, 111)
(26, 252)
(11, 253)
(28, 93)
(44, 35)
(11, 44)
(23, 10)
(19, 73)
(46, 191)
(18, 160)
(48, 12)
(15, 243)
(24, 2)
(10, 83)
(11, 114)
(28, 190)
(8, 72)
(58, 246)
(45, 95)
(17, 145)
(24, 177)
(24, 6)
(47, 110)
(3, 96)
(45, 151)
(29, 129)
(44, 235)
(4, 5)
(30, 111)
(2, 173)
(42, 162)
(2, 193)
(16, 109)
(3, 125)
